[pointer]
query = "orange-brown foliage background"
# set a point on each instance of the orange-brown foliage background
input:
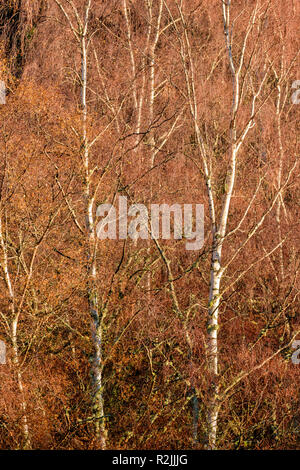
(149, 371)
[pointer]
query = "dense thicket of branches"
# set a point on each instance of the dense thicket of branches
(136, 344)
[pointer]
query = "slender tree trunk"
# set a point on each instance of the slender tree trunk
(212, 343)
(91, 242)
(81, 36)
(219, 233)
(16, 363)
(14, 339)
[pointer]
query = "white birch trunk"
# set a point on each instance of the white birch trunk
(95, 315)
(81, 35)
(14, 340)
(220, 232)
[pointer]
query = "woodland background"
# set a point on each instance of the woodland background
(113, 344)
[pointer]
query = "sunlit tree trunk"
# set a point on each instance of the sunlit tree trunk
(220, 232)
(81, 36)
(15, 313)
(218, 223)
